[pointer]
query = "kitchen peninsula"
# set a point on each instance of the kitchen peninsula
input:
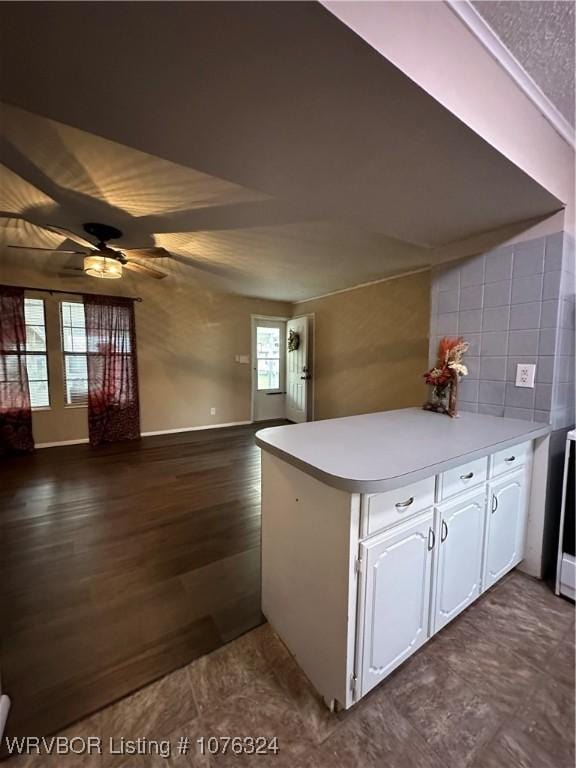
(379, 529)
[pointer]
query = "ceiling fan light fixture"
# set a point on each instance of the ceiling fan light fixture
(103, 267)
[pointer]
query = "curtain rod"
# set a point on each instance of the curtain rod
(71, 293)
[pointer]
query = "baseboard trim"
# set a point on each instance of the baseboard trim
(82, 441)
(196, 429)
(85, 440)
(4, 709)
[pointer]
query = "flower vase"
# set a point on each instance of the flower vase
(440, 397)
(452, 409)
(445, 375)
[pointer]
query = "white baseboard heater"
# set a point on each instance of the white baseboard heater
(566, 565)
(4, 709)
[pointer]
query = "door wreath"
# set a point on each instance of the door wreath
(293, 341)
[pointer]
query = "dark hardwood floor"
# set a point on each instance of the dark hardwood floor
(120, 564)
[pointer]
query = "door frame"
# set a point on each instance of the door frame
(311, 394)
(253, 374)
(311, 355)
(311, 363)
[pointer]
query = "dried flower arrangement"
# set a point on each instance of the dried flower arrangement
(444, 377)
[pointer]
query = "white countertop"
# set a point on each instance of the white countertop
(382, 451)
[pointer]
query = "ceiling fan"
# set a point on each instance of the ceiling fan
(100, 260)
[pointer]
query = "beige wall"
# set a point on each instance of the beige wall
(371, 347)
(188, 338)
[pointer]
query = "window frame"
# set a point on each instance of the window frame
(276, 325)
(44, 354)
(64, 353)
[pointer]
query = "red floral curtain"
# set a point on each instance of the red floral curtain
(113, 407)
(15, 410)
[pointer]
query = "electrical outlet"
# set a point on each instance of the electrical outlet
(212, 411)
(525, 373)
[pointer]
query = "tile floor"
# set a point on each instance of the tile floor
(495, 689)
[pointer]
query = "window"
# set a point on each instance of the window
(268, 357)
(74, 348)
(36, 357)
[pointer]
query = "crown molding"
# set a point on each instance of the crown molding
(490, 40)
(398, 276)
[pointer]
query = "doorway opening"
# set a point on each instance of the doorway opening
(282, 370)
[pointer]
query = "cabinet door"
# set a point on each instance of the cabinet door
(506, 520)
(459, 577)
(395, 597)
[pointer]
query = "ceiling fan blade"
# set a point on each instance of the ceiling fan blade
(148, 253)
(145, 270)
(12, 215)
(57, 230)
(68, 234)
(49, 250)
(72, 273)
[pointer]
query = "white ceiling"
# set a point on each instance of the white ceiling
(540, 34)
(264, 144)
(238, 239)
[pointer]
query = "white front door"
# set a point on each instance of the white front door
(397, 570)
(269, 368)
(298, 375)
(459, 556)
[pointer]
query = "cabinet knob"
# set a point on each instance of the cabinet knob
(404, 504)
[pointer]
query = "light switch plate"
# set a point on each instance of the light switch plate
(525, 373)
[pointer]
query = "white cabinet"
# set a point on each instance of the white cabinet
(459, 556)
(506, 523)
(509, 459)
(355, 582)
(464, 478)
(395, 597)
(381, 510)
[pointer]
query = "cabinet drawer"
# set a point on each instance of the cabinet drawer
(380, 510)
(462, 478)
(509, 458)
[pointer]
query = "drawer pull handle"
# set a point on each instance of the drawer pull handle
(510, 458)
(404, 504)
(431, 535)
(444, 534)
(494, 503)
(469, 476)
